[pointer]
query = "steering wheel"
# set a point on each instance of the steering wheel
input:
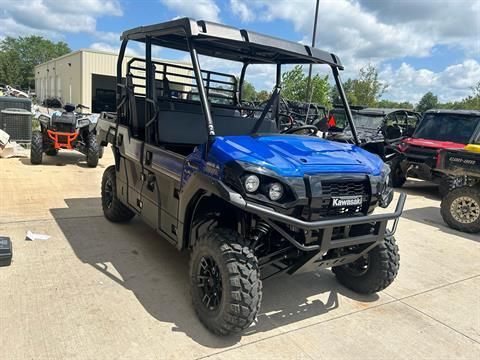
(311, 128)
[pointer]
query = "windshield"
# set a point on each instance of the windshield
(366, 121)
(447, 127)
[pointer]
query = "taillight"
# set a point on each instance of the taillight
(402, 147)
(438, 160)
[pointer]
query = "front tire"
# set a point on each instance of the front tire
(112, 207)
(373, 272)
(397, 174)
(36, 148)
(101, 151)
(460, 209)
(92, 150)
(225, 282)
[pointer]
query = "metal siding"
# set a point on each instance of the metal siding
(75, 80)
(95, 63)
(65, 78)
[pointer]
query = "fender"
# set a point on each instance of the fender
(199, 186)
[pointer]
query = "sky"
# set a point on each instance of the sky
(416, 45)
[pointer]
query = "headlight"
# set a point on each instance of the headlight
(275, 191)
(252, 182)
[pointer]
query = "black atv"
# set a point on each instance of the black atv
(379, 130)
(68, 130)
(460, 206)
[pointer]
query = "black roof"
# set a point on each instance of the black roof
(375, 111)
(230, 43)
(385, 111)
(388, 110)
(458, 112)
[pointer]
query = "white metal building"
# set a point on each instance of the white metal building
(86, 77)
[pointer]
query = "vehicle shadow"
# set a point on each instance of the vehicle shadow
(63, 158)
(421, 188)
(135, 257)
(430, 215)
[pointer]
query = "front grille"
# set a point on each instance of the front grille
(321, 206)
(349, 188)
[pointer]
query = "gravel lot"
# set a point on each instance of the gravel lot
(97, 290)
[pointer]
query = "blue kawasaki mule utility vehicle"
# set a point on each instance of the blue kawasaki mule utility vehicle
(249, 199)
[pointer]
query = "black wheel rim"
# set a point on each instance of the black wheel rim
(359, 267)
(209, 282)
(108, 191)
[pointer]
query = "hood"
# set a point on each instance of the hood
(433, 144)
(294, 155)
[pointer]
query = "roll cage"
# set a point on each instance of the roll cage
(219, 41)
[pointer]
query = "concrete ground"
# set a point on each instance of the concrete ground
(97, 290)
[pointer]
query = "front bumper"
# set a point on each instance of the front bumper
(326, 232)
(62, 140)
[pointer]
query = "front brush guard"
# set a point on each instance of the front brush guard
(62, 140)
(314, 257)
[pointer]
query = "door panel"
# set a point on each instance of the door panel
(131, 150)
(162, 173)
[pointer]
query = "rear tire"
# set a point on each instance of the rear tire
(382, 264)
(460, 209)
(225, 282)
(36, 148)
(92, 150)
(112, 207)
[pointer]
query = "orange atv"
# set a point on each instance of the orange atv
(69, 130)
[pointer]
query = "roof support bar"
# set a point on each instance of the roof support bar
(149, 83)
(241, 81)
(202, 93)
(120, 86)
(348, 112)
(278, 84)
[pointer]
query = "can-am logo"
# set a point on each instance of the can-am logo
(347, 201)
(460, 160)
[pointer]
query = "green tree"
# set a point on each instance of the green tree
(472, 102)
(10, 71)
(348, 88)
(295, 85)
(428, 101)
(248, 91)
(262, 95)
(28, 52)
(366, 90)
(394, 104)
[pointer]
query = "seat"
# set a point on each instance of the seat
(184, 123)
(393, 132)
